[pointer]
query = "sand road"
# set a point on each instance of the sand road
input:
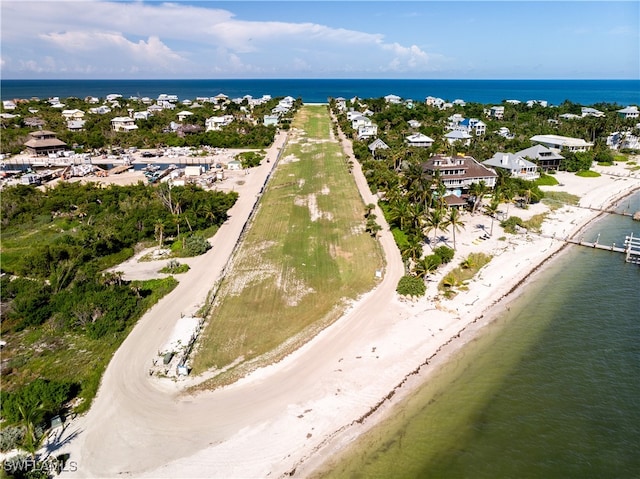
(138, 424)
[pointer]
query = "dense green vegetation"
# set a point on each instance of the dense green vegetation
(64, 314)
(245, 131)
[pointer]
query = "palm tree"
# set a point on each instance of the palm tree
(492, 210)
(478, 190)
(454, 220)
(435, 219)
(31, 415)
(159, 231)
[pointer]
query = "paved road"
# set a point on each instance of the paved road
(137, 425)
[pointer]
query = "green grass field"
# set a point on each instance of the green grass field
(305, 255)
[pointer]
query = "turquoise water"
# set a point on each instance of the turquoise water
(585, 92)
(550, 390)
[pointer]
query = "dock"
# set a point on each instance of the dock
(630, 247)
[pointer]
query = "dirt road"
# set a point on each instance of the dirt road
(137, 424)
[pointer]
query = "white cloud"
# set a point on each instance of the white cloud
(117, 38)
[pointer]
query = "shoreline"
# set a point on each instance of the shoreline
(339, 444)
(292, 417)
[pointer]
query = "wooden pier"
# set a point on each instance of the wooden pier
(630, 248)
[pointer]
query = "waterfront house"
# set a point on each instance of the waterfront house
(472, 125)
(516, 165)
(73, 114)
(141, 115)
(8, 105)
(100, 110)
(75, 125)
(393, 99)
(360, 120)
(629, 112)
(419, 140)
(546, 158)
(44, 143)
(458, 173)
(562, 142)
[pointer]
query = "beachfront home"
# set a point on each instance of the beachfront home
(123, 123)
(433, 101)
(458, 173)
(515, 164)
(562, 142)
(74, 114)
(473, 125)
(629, 112)
(43, 143)
(544, 157)
(142, 115)
(393, 99)
(360, 120)
(419, 140)
(8, 105)
(100, 110)
(458, 136)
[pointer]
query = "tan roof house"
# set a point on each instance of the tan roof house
(42, 143)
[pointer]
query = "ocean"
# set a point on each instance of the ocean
(584, 92)
(549, 390)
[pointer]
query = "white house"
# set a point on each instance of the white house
(359, 121)
(184, 115)
(414, 123)
(377, 144)
(419, 140)
(473, 125)
(629, 112)
(516, 165)
(505, 133)
(216, 123)
(433, 101)
(75, 125)
(234, 165)
(367, 131)
(458, 136)
(8, 105)
(586, 111)
(394, 99)
(141, 115)
(123, 123)
(100, 110)
(562, 142)
(496, 112)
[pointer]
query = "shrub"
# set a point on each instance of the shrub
(195, 245)
(11, 437)
(411, 286)
(445, 253)
(510, 224)
(175, 267)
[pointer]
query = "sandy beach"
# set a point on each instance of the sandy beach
(288, 418)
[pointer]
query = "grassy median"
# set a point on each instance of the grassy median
(305, 255)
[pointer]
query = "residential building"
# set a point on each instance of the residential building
(75, 125)
(562, 142)
(73, 114)
(183, 115)
(546, 158)
(629, 112)
(458, 136)
(414, 123)
(123, 123)
(419, 140)
(394, 99)
(43, 143)
(377, 144)
(496, 112)
(515, 164)
(591, 112)
(458, 173)
(473, 125)
(216, 123)
(270, 120)
(367, 131)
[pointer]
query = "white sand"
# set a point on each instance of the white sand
(296, 413)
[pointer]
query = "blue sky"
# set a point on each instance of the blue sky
(309, 39)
